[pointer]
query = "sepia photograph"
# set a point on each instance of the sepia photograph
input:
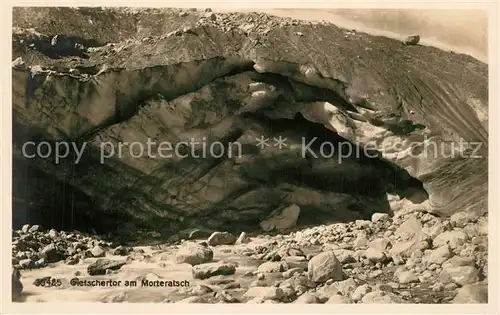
(249, 156)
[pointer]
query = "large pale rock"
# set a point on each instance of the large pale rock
(243, 239)
(409, 228)
(380, 217)
(453, 238)
(98, 251)
(271, 266)
(282, 219)
(346, 287)
(473, 293)
(194, 254)
(35, 228)
(360, 291)
(205, 271)
(483, 226)
(438, 255)
(25, 228)
(419, 242)
(345, 256)
(361, 240)
(460, 219)
(18, 63)
(457, 261)
(460, 275)
(435, 229)
(375, 255)
(325, 266)
(404, 276)
(221, 238)
(381, 244)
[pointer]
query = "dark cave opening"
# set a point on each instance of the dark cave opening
(382, 176)
(378, 177)
(42, 192)
(38, 198)
(392, 178)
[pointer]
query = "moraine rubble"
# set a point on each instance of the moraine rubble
(412, 258)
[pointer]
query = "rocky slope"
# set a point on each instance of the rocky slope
(412, 258)
(101, 77)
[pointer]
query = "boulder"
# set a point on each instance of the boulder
(98, 251)
(453, 238)
(409, 228)
(121, 251)
(221, 238)
(460, 275)
(411, 40)
(360, 292)
(325, 266)
(473, 293)
(460, 219)
(270, 267)
(404, 276)
(375, 255)
(101, 265)
(51, 253)
(438, 255)
(243, 239)
(193, 254)
(205, 271)
(380, 217)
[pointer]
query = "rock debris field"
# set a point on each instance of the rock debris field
(413, 258)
